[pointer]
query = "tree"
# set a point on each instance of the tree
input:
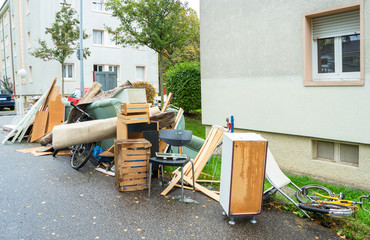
(64, 33)
(187, 53)
(162, 25)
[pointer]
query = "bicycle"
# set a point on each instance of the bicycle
(319, 199)
(81, 153)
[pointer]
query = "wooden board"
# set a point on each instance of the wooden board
(134, 108)
(248, 173)
(56, 113)
(28, 150)
(39, 126)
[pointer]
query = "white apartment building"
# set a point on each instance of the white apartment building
(23, 22)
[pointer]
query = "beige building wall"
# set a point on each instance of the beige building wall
(294, 155)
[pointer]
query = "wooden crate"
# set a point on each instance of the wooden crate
(134, 118)
(134, 108)
(131, 161)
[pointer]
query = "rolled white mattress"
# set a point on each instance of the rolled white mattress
(65, 135)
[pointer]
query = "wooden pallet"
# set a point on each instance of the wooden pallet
(131, 160)
(134, 108)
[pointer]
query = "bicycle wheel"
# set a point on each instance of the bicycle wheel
(334, 210)
(81, 154)
(307, 194)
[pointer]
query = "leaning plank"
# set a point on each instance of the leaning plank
(39, 126)
(56, 113)
(167, 103)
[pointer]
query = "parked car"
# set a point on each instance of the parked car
(6, 100)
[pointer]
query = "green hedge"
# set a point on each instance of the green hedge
(183, 80)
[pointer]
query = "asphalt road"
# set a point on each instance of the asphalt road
(44, 198)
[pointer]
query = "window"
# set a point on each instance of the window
(30, 74)
(332, 47)
(336, 152)
(97, 5)
(98, 68)
(140, 73)
(98, 37)
(68, 71)
(29, 40)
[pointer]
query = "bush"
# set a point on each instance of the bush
(183, 80)
(149, 90)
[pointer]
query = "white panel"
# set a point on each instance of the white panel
(335, 25)
(225, 180)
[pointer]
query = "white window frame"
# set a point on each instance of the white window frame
(66, 77)
(338, 75)
(96, 3)
(102, 37)
(337, 157)
(310, 63)
(138, 66)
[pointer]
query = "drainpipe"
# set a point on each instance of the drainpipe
(2, 23)
(11, 45)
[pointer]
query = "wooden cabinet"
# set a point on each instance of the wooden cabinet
(242, 174)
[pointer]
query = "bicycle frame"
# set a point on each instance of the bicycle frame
(336, 200)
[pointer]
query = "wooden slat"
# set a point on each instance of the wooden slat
(136, 152)
(167, 103)
(134, 164)
(138, 169)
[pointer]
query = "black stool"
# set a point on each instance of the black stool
(178, 138)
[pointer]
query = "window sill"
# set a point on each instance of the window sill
(106, 46)
(323, 160)
(333, 83)
(69, 80)
(103, 12)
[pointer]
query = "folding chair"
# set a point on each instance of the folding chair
(278, 180)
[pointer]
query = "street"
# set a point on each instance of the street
(44, 198)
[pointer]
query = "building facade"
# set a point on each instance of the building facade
(23, 23)
(296, 73)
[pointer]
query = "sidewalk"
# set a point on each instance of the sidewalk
(44, 198)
